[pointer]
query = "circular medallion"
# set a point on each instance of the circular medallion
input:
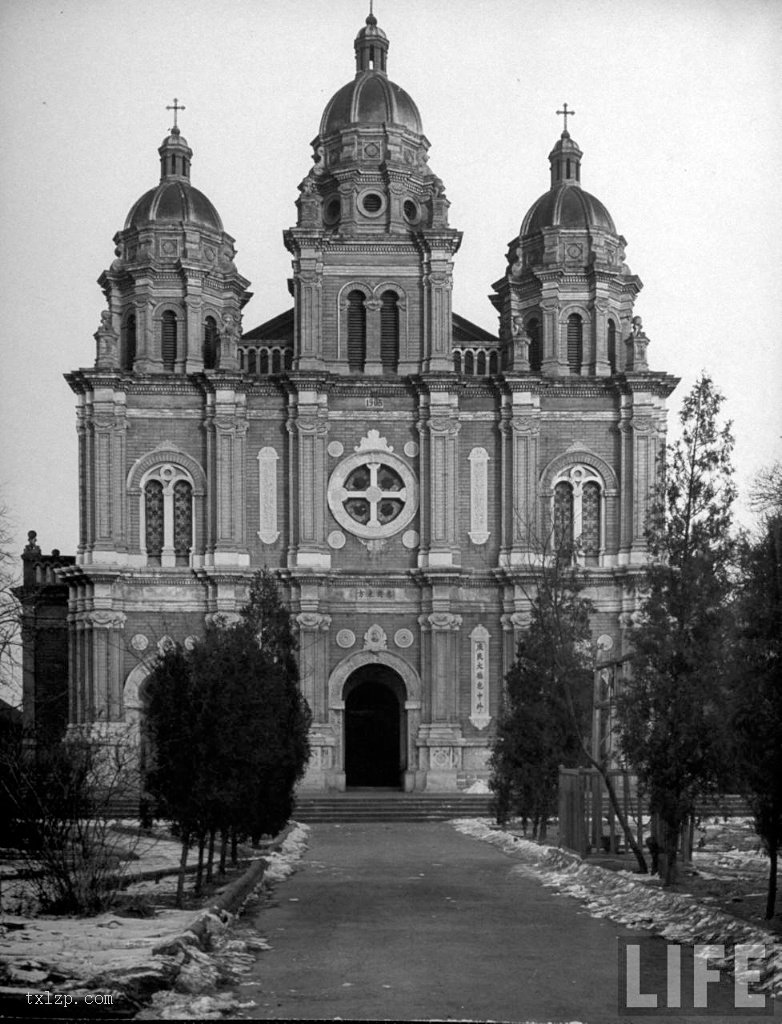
(605, 642)
(336, 539)
(139, 642)
(411, 449)
(209, 252)
(410, 539)
(345, 638)
(165, 644)
(403, 638)
(574, 251)
(335, 449)
(190, 642)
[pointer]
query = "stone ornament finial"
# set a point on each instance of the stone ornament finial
(107, 343)
(521, 343)
(32, 550)
(230, 332)
(637, 343)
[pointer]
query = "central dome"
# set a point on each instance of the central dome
(371, 98)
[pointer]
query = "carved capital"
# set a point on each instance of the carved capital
(315, 622)
(444, 622)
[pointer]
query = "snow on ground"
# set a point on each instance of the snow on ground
(636, 901)
(65, 954)
(194, 996)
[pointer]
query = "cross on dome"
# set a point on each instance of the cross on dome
(176, 108)
(565, 113)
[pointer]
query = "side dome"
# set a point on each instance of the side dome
(566, 205)
(570, 208)
(175, 200)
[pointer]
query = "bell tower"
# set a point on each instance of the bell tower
(174, 293)
(566, 298)
(372, 249)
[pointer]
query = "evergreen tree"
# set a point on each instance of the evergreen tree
(674, 710)
(547, 700)
(228, 727)
(757, 720)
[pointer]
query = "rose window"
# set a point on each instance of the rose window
(373, 495)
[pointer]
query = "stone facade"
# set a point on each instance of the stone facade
(398, 466)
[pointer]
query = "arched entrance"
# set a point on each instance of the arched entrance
(374, 727)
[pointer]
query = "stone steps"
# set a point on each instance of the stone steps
(390, 806)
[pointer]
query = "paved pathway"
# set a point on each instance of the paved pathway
(407, 922)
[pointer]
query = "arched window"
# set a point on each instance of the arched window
(469, 363)
(493, 362)
(167, 516)
(263, 361)
(612, 346)
(288, 359)
(169, 340)
(575, 342)
(210, 343)
(129, 347)
(153, 521)
(389, 332)
(457, 361)
(241, 359)
(357, 331)
(183, 521)
(578, 513)
(481, 364)
(535, 354)
(563, 519)
(276, 360)
(252, 357)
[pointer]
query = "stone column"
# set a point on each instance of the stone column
(194, 358)
(308, 424)
(644, 479)
(552, 364)
(313, 661)
(109, 427)
(439, 480)
(307, 289)
(373, 366)
(228, 428)
(105, 632)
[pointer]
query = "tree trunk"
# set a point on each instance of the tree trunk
(670, 844)
(211, 858)
(618, 811)
(771, 898)
(223, 851)
(180, 885)
(200, 872)
(234, 847)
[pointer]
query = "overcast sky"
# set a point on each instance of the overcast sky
(677, 111)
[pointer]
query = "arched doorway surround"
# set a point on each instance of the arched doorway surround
(358, 674)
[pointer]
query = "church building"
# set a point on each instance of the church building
(401, 469)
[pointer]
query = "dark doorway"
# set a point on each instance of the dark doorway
(372, 734)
